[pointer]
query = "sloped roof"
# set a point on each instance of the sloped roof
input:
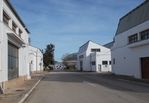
(109, 45)
(135, 17)
(84, 47)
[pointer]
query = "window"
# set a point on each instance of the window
(144, 35)
(29, 40)
(114, 61)
(20, 32)
(6, 18)
(14, 26)
(104, 62)
(81, 56)
(95, 50)
(133, 38)
(93, 63)
(109, 62)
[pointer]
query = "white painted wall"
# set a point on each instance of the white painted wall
(103, 57)
(35, 59)
(4, 38)
(104, 54)
(127, 57)
(1, 31)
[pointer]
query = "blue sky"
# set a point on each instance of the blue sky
(70, 23)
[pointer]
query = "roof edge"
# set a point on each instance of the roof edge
(94, 43)
(16, 14)
(134, 9)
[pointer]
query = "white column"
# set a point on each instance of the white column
(1, 10)
(27, 63)
(139, 37)
(1, 29)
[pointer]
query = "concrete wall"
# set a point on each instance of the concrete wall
(103, 57)
(35, 59)
(127, 56)
(4, 38)
(1, 31)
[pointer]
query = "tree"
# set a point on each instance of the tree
(48, 55)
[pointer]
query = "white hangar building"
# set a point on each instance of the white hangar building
(35, 59)
(94, 57)
(14, 41)
(130, 51)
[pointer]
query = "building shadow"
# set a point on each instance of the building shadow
(105, 80)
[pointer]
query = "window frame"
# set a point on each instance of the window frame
(93, 62)
(14, 26)
(95, 50)
(133, 38)
(20, 32)
(6, 18)
(104, 62)
(144, 35)
(110, 62)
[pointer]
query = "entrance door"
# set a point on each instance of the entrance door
(99, 67)
(81, 65)
(13, 62)
(31, 67)
(145, 67)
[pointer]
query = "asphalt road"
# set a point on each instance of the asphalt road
(65, 87)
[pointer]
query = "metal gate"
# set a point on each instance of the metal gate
(13, 62)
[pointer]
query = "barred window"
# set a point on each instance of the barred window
(20, 32)
(95, 50)
(144, 35)
(93, 63)
(133, 38)
(104, 62)
(6, 18)
(14, 26)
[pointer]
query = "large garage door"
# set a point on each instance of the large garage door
(12, 61)
(145, 67)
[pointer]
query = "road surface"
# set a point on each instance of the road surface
(66, 87)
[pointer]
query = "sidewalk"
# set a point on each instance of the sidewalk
(125, 78)
(16, 94)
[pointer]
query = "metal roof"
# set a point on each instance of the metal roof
(135, 17)
(109, 45)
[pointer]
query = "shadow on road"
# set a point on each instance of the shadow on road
(104, 80)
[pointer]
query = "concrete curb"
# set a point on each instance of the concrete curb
(29, 92)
